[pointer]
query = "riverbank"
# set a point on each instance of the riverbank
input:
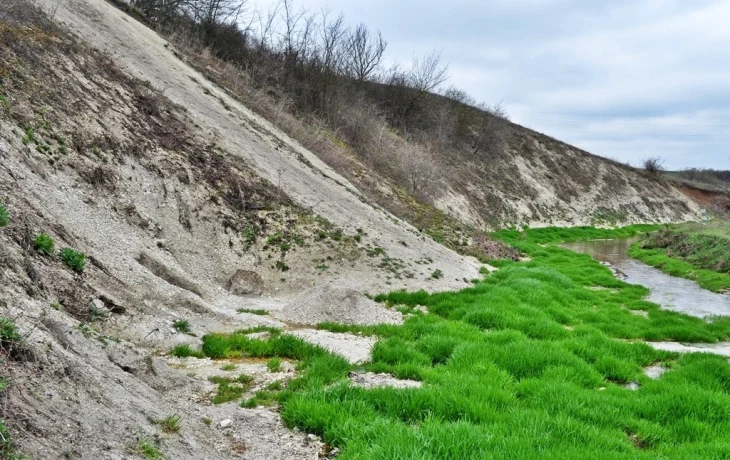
(541, 359)
(697, 252)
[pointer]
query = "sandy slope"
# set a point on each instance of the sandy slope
(273, 155)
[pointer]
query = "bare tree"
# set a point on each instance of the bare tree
(428, 72)
(364, 52)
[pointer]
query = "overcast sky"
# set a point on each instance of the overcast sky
(624, 79)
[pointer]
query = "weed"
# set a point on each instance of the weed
(274, 364)
(182, 325)
(253, 311)
(249, 236)
(4, 215)
(229, 367)
(149, 450)
(322, 267)
(281, 266)
(437, 274)
(96, 314)
(75, 260)
(44, 244)
(206, 421)
(169, 424)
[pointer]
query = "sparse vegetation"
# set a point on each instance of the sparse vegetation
(230, 389)
(44, 244)
(75, 260)
(229, 367)
(182, 325)
(437, 274)
(4, 215)
(653, 166)
(149, 450)
(170, 424)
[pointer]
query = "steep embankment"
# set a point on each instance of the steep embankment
(183, 211)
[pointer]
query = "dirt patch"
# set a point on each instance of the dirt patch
(338, 305)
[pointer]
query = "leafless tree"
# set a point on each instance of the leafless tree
(492, 132)
(364, 52)
(428, 72)
(419, 171)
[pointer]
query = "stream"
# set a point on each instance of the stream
(671, 293)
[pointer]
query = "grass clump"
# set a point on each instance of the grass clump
(185, 351)
(170, 424)
(228, 367)
(149, 450)
(44, 244)
(75, 260)
(182, 325)
(274, 364)
(4, 215)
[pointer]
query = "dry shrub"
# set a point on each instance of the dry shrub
(488, 249)
(419, 171)
(653, 166)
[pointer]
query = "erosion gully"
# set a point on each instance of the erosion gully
(671, 293)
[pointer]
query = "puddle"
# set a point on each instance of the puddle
(672, 293)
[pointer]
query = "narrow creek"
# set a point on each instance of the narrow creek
(671, 293)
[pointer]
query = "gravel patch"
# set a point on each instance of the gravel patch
(340, 305)
(354, 348)
(372, 380)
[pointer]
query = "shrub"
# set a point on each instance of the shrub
(654, 166)
(75, 260)
(44, 244)
(8, 333)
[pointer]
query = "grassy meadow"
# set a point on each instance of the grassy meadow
(530, 363)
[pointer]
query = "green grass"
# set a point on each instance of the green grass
(44, 244)
(4, 215)
(149, 450)
(182, 325)
(274, 364)
(185, 351)
(694, 252)
(527, 364)
(75, 260)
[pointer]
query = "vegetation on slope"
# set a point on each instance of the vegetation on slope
(697, 252)
(529, 363)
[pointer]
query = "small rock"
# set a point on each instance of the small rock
(334, 452)
(633, 386)
(312, 437)
(226, 423)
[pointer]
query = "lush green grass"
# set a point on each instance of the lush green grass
(554, 235)
(696, 252)
(529, 363)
